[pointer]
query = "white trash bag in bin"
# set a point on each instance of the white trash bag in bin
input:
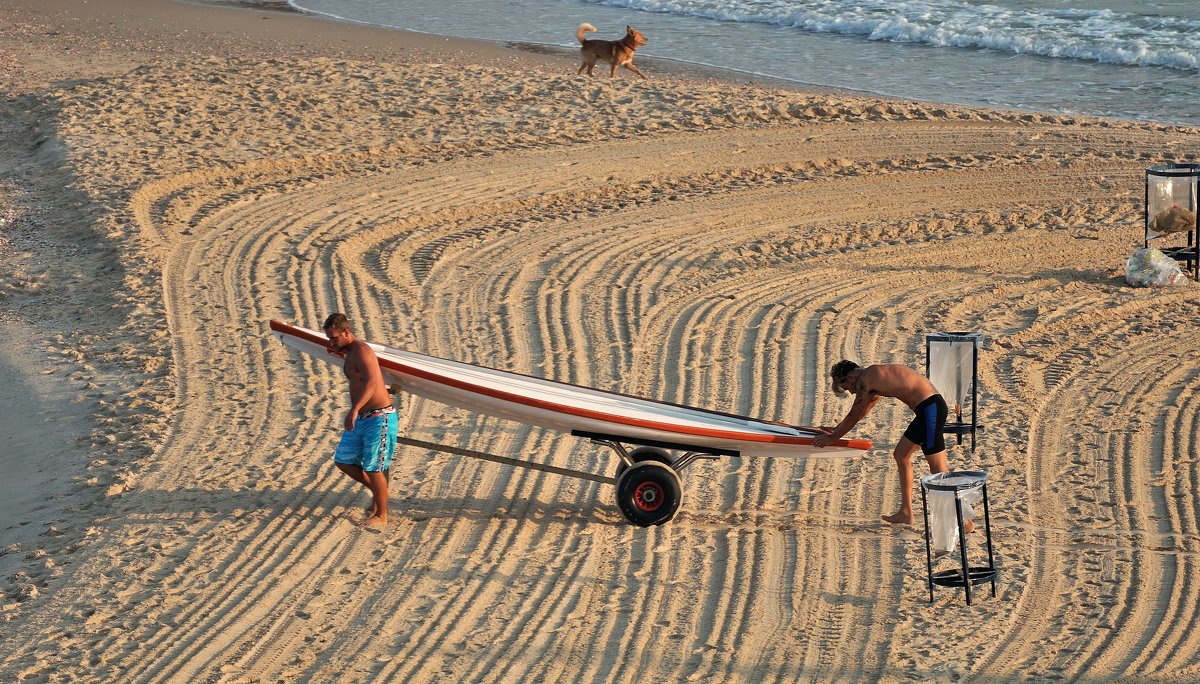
(943, 523)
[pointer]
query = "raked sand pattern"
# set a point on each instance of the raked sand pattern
(719, 247)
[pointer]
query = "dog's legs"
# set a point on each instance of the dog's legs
(631, 67)
(586, 65)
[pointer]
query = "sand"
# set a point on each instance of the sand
(175, 176)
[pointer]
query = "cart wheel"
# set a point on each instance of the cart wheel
(648, 493)
(645, 453)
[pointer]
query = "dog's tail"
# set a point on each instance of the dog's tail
(584, 28)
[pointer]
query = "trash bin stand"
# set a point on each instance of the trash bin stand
(966, 575)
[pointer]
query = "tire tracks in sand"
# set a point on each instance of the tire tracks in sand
(718, 268)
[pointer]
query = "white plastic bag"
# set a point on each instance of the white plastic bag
(1149, 267)
(943, 523)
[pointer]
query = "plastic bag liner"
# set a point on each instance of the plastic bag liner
(952, 371)
(943, 524)
(1149, 267)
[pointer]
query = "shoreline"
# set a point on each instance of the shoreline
(676, 68)
(671, 68)
(140, 22)
(695, 71)
(149, 24)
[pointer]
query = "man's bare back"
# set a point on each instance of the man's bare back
(895, 381)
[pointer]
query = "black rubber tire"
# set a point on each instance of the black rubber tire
(649, 493)
(645, 453)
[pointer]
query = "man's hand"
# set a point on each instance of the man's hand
(823, 440)
(349, 422)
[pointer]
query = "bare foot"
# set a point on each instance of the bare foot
(968, 526)
(899, 518)
(374, 521)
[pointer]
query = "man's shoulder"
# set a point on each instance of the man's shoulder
(879, 378)
(888, 368)
(361, 349)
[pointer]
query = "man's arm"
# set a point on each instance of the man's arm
(362, 368)
(864, 400)
(863, 403)
(365, 365)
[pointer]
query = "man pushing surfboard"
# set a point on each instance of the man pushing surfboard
(869, 385)
(368, 441)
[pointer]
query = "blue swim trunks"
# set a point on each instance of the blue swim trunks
(927, 428)
(372, 442)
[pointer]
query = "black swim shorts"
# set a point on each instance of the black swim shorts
(927, 428)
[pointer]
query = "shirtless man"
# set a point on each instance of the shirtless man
(872, 383)
(365, 450)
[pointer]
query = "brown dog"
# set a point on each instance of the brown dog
(618, 53)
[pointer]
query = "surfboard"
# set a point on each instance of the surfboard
(573, 408)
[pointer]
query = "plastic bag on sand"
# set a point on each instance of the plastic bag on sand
(1149, 267)
(943, 523)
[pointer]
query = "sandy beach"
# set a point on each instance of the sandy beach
(174, 176)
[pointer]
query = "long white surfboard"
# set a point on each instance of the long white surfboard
(566, 407)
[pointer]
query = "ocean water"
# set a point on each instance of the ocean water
(1136, 59)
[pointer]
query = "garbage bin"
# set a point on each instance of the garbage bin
(952, 365)
(947, 499)
(1172, 195)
